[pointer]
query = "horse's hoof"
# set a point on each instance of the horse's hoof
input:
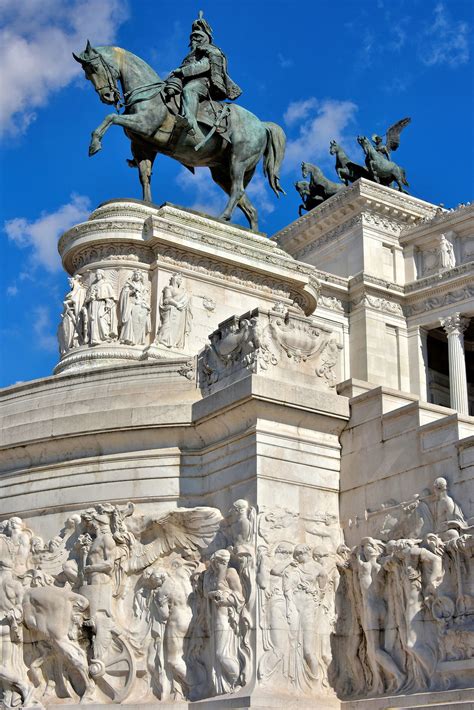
(94, 148)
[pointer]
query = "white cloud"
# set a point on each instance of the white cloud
(261, 195)
(43, 329)
(35, 50)
(284, 62)
(208, 197)
(298, 110)
(320, 122)
(41, 236)
(445, 41)
(12, 290)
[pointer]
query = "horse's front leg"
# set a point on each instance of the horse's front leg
(374, 174)
(135, 123)
(96, 141)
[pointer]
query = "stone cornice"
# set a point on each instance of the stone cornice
(229, 249)
(363, 196)
(374, 281)
(439, 298)
(447, 278)
(444, 220)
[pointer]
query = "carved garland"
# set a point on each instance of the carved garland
(119, 251)
(432, 302)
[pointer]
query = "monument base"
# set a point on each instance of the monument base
(459, 699)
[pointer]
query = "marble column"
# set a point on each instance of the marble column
(455, 325)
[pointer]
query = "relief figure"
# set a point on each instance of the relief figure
(100, 311)
(175, 314)
(134, 310)
(225, 599)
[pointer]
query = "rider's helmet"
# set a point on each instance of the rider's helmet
(201, 27)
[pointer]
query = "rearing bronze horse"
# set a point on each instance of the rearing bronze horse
(150, 124)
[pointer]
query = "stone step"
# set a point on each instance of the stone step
(408, 418)
(462, 699)
(445, 431)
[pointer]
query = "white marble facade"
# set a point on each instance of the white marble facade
(240, 488)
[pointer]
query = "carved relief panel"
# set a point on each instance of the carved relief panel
(408, 625)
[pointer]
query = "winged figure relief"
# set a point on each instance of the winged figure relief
(186, 530)
(137, 539)
(392, 138)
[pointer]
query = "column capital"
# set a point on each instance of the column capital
(454, 324)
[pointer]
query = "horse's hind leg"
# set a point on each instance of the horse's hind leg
(249, 211)
(398, 178)
(144, 161)
(222, 179)
(237, 173)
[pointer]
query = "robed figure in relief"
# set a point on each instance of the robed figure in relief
(100, 314)
(175, 314)
(134, 310)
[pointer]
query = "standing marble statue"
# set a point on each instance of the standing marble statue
(273, 609)
(175, 314)
(447, 259)
(134, 310)
(70, 330)
(99, 311)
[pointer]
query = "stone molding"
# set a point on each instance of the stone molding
(216, 269)
(328, 237)
(255, 256)
(332, 303)
(112, 252)
(424, 282)
(361, 196)
(436, 301)
(84, 358)
(379, 304)
(441, 215)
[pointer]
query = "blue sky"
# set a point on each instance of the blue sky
(321, 69)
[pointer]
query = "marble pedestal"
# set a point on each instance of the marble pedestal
(176, 498)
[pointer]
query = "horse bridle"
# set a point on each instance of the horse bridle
(111, 79)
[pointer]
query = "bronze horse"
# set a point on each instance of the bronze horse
(152, 124)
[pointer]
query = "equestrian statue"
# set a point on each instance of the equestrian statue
(378, 168)
(186, 117)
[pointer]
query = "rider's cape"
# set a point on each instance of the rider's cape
(222, 86)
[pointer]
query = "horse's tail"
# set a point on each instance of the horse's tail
(273, 156)
(404, 178)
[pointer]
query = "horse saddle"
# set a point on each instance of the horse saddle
(213, 114)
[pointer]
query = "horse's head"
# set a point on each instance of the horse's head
(302, 186)
(103, 76)
(333, 147)
(363, 142)
(305, 169)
